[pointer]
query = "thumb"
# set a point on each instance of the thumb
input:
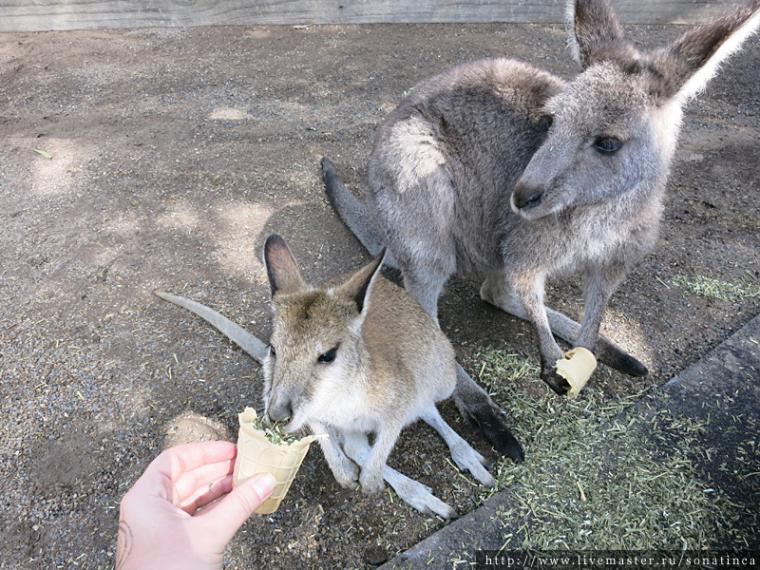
(233, 510)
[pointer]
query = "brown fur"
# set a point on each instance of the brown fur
(357, 358)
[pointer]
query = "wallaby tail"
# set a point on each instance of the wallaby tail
(476, 405)
(353, 212)
(241, 337)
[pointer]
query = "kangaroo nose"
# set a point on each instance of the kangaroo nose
(526, 197)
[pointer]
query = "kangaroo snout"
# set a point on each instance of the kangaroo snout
(525, 197)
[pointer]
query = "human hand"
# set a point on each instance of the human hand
(168, 518)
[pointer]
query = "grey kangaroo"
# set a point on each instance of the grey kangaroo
(358, 357)
(499, 168)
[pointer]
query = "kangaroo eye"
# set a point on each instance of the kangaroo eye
(328, 356)
(608, 145)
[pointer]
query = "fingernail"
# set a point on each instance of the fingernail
(264, 484)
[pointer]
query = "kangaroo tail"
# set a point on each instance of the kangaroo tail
(353, 212)
(241, 337)
(476, 405)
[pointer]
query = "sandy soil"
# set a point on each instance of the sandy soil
(175, 153)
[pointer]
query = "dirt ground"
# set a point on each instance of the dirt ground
(174, 154)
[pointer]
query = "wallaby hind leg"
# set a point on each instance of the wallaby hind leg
(496, 291)
(478, 408)
(463, 454)
(413, 493)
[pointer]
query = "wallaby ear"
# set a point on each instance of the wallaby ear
(687, 65)
(595, 29)
(282, 269)
(359, 286)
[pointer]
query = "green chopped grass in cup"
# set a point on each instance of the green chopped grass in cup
(273, 431)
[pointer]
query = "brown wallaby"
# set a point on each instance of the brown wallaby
(357, 358)
(497, 167)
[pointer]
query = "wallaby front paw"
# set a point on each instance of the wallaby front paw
(347, 476)
(347, 483)
(371, 482)
(554, 380)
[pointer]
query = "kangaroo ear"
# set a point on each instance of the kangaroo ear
(595, 30)
(687, 65)
(359, 286)
(282, 269)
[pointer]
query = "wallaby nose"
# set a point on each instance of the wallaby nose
(279, 409)
(526, 197)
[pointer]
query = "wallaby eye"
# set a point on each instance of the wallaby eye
(329, 356)
(272, 353)
(608, 145)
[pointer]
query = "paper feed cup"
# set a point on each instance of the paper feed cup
(256, 454)
(576, 367)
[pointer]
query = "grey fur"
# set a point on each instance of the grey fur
(492, 167)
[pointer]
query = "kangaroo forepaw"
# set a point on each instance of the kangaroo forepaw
(347, 483)
(436, 507)
(554, 380)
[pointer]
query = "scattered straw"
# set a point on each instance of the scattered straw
(715, 288)
(43, 153)
(596, 477)
(500, 368)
